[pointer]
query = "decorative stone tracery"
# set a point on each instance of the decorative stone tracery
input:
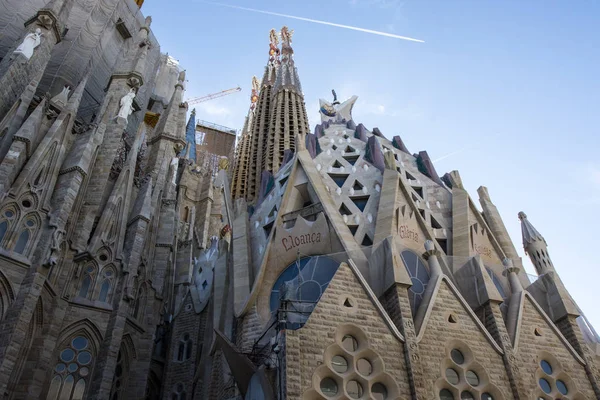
(463, 377)
(352, 369)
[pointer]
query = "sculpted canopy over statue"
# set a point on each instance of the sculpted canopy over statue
(127, 104)
(31, 41)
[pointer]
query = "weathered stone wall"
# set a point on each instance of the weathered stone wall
(306, 347)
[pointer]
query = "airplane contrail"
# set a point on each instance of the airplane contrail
(448, 155)
(316, 21)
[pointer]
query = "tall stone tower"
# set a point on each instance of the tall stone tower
(289, 123)
(260, 123)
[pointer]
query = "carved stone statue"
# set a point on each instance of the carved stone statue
(127, 104)
(31, 41)
(255, 84)
(57, 238)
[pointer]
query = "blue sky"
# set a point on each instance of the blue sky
(512, 86)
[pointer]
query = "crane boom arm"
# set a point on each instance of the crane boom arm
(222, 93)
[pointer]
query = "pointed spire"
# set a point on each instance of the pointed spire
(169, 123)
(75, 99)
(287, 75)
(143, 47)
(189, 151)
(143, 203)
(528, 231)
(535, 246)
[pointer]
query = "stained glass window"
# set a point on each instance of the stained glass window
(419, 277)
(71, 370)
(302, 283)
(22, 242)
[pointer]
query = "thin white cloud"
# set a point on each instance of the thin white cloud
(316, 21)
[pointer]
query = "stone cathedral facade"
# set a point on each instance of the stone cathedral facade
(323, 264)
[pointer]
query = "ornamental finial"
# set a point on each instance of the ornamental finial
(286, 44)
(273, 47)
(286, 35)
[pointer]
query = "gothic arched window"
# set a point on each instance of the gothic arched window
(72, 371)
(27, 230)
(419, 277)
(89, 272)
(121, 374)
(106, 284)
(7, 219)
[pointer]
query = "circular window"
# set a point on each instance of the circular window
(26, 203)
(349, 343)
(546, 367)
(457, 356)
(103, 257)
(452, 376)
(84, 371)
(329, 387)
(9, 214)
(354, 389)
(544, 385)
(84, 358)
(379, 391)
(562, 388)
(60, 367)
(339, 364)
(72, 367)
(30, 223)
(79, 343)
(445, 394)
(472, 378)
(67, 355)
(486, 396)
(364, 367)
(467, 396)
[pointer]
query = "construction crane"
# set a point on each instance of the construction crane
(197, 100)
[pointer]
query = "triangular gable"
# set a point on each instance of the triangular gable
(358, 313)
(531, 312)
(340, 238)
(447, 294)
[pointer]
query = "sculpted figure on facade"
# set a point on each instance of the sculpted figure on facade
(31, 41)
(127, 104)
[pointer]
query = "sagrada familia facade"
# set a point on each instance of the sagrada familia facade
(316, 264)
